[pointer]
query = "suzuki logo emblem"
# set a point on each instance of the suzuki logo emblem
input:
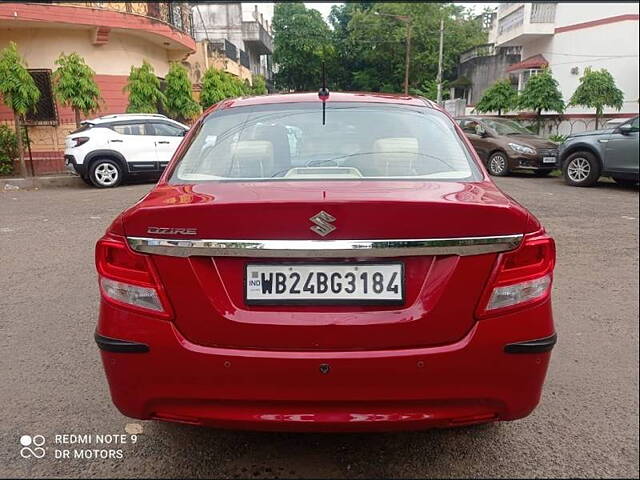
(322, 223)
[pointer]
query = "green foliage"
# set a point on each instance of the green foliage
(179, 94)
(558, 138)
(500, 97)
(541, 94)
(597, 90)
(302, 40)
(8, 149)
(17, 88)
(143, 88)
(259, 86)
(218, 85)
(74, 84)
(365, 51)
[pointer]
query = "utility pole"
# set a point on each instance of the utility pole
(406, 60)
(407, 20)
(439, 78)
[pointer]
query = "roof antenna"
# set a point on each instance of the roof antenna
(323, 94)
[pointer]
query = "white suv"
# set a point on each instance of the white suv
(108, 149)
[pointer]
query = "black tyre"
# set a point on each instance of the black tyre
(87, 180)
(625, 182)
(105, 173)
(581, 169)
(498, 165)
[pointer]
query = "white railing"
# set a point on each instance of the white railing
(543, 12)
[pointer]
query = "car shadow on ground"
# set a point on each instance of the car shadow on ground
(320, 455)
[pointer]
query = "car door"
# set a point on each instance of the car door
(136, 147)
(167, 137)
(621, 150)
(480, 143)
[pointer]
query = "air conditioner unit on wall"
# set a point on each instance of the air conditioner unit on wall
(575, 70)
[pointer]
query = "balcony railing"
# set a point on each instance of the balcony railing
(511, 21)
(176, 14)
(543, 12)
(488, 50)
(255, 32)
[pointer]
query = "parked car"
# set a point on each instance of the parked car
(504, 146)
(107, 150)
(584, 157)
(353, 268)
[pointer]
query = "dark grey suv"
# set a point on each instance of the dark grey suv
(613, 152)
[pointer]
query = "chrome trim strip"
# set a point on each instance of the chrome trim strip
(462, 246)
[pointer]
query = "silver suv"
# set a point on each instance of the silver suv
(612, 152)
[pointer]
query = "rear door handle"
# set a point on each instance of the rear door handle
(163, 142)
(115, 141)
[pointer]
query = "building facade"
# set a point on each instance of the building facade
(236, 37)
(110, 36)
(569, 37)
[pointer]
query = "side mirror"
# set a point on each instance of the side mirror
(625, 129)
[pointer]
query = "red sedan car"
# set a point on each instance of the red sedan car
(325, 263)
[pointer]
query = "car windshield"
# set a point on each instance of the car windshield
(356, 141)
(507, 127)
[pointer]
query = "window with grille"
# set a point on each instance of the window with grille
(45, 112)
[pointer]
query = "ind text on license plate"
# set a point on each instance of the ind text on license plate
(357, 283)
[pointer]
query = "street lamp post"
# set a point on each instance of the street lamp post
(407, 20)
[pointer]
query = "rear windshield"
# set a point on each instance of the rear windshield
(349, 141)
(83, 126)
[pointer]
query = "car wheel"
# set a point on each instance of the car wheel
(581, 169)
(86, 180)
(625, 182)
(105, 173)
(497, 165)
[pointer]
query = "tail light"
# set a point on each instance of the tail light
(77, 141)
(521, 277)
(128, 278)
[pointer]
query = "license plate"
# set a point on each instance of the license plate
(548, 159)
(356, 283)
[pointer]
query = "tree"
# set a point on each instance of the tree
(541, 94)
(259, 86)
(501, 96)
(179, 94)
(218, 85)
(18, 90)
(597, 90)
(376, 43)
(74, 85)
(143, 88)
(302, 41)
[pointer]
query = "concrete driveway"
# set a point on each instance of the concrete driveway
(52, 381)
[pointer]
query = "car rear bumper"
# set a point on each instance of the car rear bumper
(155, 373)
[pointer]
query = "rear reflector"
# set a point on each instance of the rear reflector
(521, 277)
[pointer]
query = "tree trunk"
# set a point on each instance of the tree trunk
(538, 121)
(499, 112)
(18, 124)
(77, 112)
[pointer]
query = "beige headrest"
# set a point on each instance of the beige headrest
(252, 159)
(396, 145)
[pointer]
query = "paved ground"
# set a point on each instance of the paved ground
(52, 381)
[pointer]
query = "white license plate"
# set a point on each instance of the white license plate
(548, 159)
(358, 283)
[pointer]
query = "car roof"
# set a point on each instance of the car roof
(364, 97)
(126, 116)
